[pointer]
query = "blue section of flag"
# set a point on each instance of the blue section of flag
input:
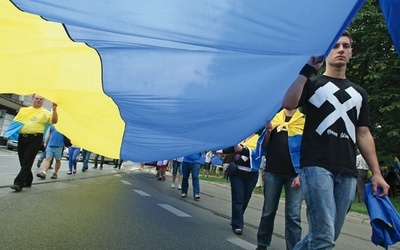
(12, 132)
(391, 12)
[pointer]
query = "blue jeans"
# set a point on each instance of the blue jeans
(72, 154)
(242, 186)
(85, 157)
(187, 168)
(293, 198)
(328, 197)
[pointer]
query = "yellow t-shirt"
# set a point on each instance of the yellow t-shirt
(34, 119)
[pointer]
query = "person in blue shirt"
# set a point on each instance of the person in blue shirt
(54, 148)
(191, 164)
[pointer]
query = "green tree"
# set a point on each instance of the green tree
(376, 67)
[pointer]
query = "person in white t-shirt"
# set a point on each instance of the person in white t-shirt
(362, 177)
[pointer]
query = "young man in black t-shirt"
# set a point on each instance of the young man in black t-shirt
(337, 118)
(282, 144)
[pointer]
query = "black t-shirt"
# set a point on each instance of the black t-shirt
(333, 108)
(278, 157)
(242, 159)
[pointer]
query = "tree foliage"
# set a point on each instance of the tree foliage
(376, 67)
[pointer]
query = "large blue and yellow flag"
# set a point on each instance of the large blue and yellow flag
(144, 80)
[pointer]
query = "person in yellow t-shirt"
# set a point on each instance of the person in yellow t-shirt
(31, 122)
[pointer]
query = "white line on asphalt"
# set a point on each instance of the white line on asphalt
(174, 210)
(118, 175)
(141, 192)
(126, 182)
(241, 243)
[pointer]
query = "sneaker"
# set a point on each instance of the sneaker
(159, 178)
(38, 163)
(197, 197)
(183, 195)
(41, 175)
(173, 185)
(69, 173)
(54, 176)
(163, 177)
(238, 231)
(179, 187)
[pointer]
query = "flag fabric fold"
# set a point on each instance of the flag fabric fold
(384, 219)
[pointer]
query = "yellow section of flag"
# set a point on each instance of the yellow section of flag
(37, 56)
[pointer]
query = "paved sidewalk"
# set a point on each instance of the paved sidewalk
(9, 172)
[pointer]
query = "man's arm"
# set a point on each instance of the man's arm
(268, 129)
(366, 145)
(54, 116)
(293, 94)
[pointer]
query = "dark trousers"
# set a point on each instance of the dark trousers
(362, 179)
(118, 163)
(28, 147)
(242, 186)
(96, 159)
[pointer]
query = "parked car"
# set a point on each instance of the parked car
(12, 144)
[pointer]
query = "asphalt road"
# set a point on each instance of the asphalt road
(130, 209)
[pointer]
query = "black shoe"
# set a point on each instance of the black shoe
(94, 167)
(16, 188)
(50, 167)
(84, 169)
(27, 185)
(261, 248)
(38, 163)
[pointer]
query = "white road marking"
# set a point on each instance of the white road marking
(126, 182)
(174, 210)
(141, 192)
(118, 175)
(241, 243)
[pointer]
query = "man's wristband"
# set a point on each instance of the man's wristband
(308, 70)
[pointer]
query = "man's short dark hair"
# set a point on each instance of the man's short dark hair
(347, 33)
